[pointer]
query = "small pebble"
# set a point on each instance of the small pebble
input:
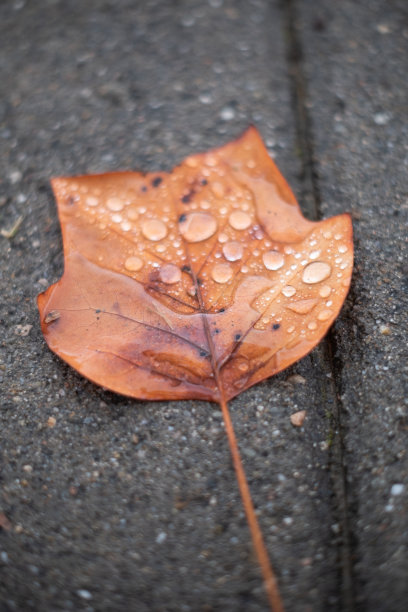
(84, 594)
(296, 379)
(385, 330)
(161, 537)
(22, 330)
(227, 113)
(397, 489)
(381, 118)
(297, 418)
(51, 421)
(28, 468)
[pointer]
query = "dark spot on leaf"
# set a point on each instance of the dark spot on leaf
(204, 182)
(182, 218)
(156, 181)
(216, 330)
(143, 188)
(186, 198)
(98, 310)
(276, 326)
(221, 310)
(237, 337)
(203, 354)
(186, 268)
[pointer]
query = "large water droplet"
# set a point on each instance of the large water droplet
(273, 260)
(170, 274)
(302, 306)
(233, 251)
(114, 204)
(312, 325)
(239, 220)
(288, 291)
(197, 226)
(316, 272)
(342, 248)
(221, 273)
(154, 229)
(133, 264)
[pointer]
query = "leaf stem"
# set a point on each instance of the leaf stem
(271, 585)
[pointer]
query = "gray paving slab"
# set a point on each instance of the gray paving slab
(355, 65)
(133, 505)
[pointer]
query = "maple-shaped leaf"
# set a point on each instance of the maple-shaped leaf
(196, 283)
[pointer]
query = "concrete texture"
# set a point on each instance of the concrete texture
(109, 504)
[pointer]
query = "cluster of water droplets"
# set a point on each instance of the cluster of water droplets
(215, 221)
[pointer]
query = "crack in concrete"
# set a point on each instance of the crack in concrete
(330, 387)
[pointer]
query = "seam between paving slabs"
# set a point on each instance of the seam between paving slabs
(330, 388)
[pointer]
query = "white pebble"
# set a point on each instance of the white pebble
(397, 489)
(84, 594)
(161, 537)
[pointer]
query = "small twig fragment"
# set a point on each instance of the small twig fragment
(10, 233)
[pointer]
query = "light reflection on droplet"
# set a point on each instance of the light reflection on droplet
(342, 248)
(316, 272)
(314, 254)
(126, 226)
(312, 325)
(117, 218)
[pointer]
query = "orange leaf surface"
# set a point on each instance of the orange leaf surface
(196, 283)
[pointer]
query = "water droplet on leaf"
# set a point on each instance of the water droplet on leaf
(154, 229)
(221, 273)
(273, 260)
(197, 226)
(288, 291)
(233, 251)
(239, 220)
(133, 264)
(114, 204)
(170, 274)
(316, 272)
